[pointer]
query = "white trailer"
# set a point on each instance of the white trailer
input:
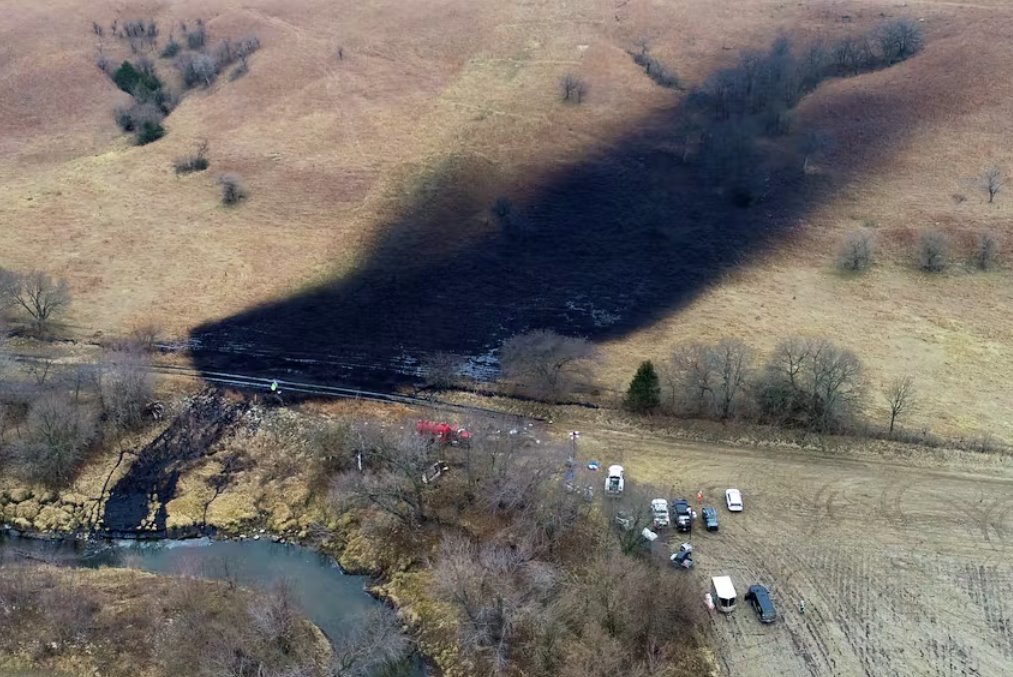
(615, 481)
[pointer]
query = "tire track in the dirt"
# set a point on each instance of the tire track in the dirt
(823, 506)
(989, 588)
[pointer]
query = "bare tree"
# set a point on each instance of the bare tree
(57, 436)
(986, 251)
(709, 380)
(900, 396)
(127, 386)
(497, 591)
(35, 292)
(393, 479)
(574, 89)
(933, 251)
(376, 641)
(992, 181)
(548, 363)
(856, 251)
(810, 382)
(899, 39)
(441, 370)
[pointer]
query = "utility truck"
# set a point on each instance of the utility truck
(615, 481)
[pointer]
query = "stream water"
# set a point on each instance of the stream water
(333, 600)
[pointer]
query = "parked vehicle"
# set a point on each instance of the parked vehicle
(733, 499)
(683, 558)
(434, 471)
(723, 594)
(624, 520)
(759, 598)
(615, 481)
(443, 433)
(683, 515)
(710, 518)
(659, 510)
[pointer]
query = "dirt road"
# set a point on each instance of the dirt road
(904, 571)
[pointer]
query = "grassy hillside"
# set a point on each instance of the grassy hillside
(335, 151)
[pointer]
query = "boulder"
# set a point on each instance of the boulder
(27, 509)
(20, 494)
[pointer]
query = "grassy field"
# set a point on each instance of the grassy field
(334, 151)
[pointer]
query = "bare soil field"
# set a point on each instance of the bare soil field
(904, 570)
(367, 237)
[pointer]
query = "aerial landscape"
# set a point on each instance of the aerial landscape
(591, 337)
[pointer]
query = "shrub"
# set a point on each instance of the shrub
(232, 189)
(198, 37)
(933, 252)
(656, 70)
(129, 79)
(172, 48)
(196, 161)
(149, 131)
(200, 70)
(855, 254)
(134, 118)
(239, 71)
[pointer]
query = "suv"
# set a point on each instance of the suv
(733, 499)
(759, 598)
(659, 511)
(710, 518)
(683, 515)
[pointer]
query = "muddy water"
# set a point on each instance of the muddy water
(330, 598)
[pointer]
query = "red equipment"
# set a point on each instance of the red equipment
(444, 433)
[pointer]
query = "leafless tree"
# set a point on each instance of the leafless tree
(574, 89)
(127, 386)
(986, 251)
(376, 642)
(392, 480)
(498, 591)
(811, 382)
(899, 40)
(35, 292)
(856, 251)
(441, 370)
(548, 363)
(933, 251)
(57, 436)
(709, 380)
(900, 395)
(992, 181)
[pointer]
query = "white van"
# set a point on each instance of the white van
(723, 593)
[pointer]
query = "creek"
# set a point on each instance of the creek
(332, 599)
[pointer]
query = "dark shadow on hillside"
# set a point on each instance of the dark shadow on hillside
(606, 247)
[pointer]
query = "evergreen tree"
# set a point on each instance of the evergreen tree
(644, 393)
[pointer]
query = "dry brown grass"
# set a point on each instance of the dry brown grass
(330, 149)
